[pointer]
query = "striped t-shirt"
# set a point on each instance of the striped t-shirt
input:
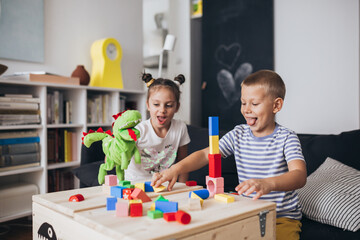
(263, 157)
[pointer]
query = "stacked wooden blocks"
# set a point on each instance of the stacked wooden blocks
(214, 182)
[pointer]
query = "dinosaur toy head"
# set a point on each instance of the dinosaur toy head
(126, 119)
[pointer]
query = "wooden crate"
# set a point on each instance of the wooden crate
(90, 219)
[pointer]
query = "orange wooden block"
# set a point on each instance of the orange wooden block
(140, 194)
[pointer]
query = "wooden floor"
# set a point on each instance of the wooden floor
(19, 229)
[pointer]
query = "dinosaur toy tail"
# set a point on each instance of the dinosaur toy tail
(92, 136)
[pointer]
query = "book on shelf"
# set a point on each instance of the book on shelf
(27, 165)
(18, 95)
(19, 148)
(43, 77)
(9, 160)
(58, 109)
(99, 108)
(70, 149)
(19, 99)
(18, 134)
(19, 119)
(19, 111)
(19, 105)
(74, 149)
(60, 180)
(56, 148)
(7, 141)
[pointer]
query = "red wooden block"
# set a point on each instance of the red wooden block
(136, 209)
(76, 198)
(182, 217)
(127, 193)
(214, 165)
(169, 217)
(191, 183)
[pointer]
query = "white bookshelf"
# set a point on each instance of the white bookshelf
(78, 95)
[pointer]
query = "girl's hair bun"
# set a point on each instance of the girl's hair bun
(146, 77)
(180, 78)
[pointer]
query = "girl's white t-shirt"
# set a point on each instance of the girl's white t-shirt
(156, 153)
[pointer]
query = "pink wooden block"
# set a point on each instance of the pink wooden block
(215, 185)
(122, 209)
(111, 180)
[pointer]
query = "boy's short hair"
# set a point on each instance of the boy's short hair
(270, 80)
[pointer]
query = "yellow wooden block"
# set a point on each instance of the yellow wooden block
(224, 198)
(140, 185)
(214, 144)
(194, 195)
(159, 189)
(135, 201)
(152, 207)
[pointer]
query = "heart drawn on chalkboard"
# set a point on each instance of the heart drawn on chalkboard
(228, 55)
(230, 85)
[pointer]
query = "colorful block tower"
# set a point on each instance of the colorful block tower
(214, 182)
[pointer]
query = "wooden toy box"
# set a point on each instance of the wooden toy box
(54, 216)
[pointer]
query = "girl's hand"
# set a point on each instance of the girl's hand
(260, 186)
(169, 175)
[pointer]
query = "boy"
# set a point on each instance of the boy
(268, 156)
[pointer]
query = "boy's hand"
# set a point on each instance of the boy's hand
(169, 175)
(260, 186)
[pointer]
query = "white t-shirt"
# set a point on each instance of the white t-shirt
(156, 153)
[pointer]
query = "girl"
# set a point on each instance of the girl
(163, 140)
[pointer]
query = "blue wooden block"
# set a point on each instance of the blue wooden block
(213, 126)
(111, 203)
(117, 191)
(166, 207)
(148, 187)
(203, 193)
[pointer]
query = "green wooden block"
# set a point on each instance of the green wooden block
(124, 183)
(155, 214)
(161, 198)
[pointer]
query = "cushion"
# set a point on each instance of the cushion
(343, 147)
(332, 195)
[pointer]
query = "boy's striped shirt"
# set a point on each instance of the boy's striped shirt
(263, 157)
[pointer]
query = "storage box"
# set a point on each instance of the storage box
(16, 198)
(241, 219)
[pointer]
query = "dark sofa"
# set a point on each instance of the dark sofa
(344, 147)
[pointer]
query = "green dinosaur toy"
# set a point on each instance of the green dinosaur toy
(119, 146)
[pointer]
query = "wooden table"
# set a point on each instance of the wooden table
(89, 219)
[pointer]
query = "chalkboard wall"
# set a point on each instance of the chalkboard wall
(237, 39)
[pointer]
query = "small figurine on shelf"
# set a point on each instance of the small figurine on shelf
(119, 146)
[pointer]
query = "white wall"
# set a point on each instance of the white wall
(71, 26)
(180, 59)
(317, 55)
